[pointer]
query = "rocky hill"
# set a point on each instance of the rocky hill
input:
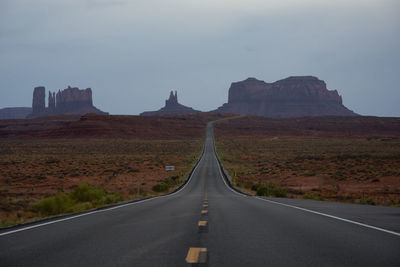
(14, 113)
(172, 107)
(68, 101)
(300, 96)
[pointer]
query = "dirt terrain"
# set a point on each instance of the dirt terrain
(107, 127)
(354, 159)
(351, 159)
(44, 157)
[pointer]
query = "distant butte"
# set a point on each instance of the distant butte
(68, 101)
(298, 96)
(171, 107)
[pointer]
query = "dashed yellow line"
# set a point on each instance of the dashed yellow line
(202, 223)
(204, 212)
(197, 255)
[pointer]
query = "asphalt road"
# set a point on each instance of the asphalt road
(240, 231)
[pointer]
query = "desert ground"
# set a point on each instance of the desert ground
(46, 163)
(354, 159)
(65, 164)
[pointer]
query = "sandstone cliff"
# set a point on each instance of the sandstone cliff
(71, 100)
(38, 100)
(300, 96)
(172, 107)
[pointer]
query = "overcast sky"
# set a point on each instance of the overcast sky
(133, 52)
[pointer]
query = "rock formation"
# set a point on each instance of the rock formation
(52, 101)
(68, 101)
(72, 99)
(38, 101)
(300, 96)
(172, 100)
(172, 106)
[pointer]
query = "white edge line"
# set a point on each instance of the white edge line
(223, 179)
(307, 210)
(104, 210)
(331, 216)
(220, 172)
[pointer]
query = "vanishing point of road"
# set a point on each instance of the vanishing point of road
(207, 223)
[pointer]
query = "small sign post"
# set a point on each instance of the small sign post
(170, 168)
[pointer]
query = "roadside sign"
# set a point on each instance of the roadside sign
(170, 168)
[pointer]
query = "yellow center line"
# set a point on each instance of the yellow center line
(204, 211)
(202, 223)
(206, 189)
(196, 255)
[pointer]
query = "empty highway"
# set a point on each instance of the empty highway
(209, 223)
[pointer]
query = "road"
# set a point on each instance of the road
(236, 230)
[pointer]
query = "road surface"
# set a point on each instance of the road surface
(207, 222)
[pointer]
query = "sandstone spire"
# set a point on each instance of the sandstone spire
(38, 101)
(172, 106)
(52, 101)
(172, 100)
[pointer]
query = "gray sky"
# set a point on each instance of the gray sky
(132, 53)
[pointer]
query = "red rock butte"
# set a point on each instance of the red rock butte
(68, 101)
(298, 96)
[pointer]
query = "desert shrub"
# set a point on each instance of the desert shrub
(171, 181)
(313, 196)
(338, 175)
(60, 203)
(270, 190)
(277, 191)
(367, 201)
(309, 173)
(52, 161)
(112, 198)
(5, 206)
(262, 190)
(39, 176)
(174, 177)
(82, 198)
(82, 206)
(86, 193)
(160, 187)
(256, 186)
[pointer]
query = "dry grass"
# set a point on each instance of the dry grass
(31, 170)
(362, 170)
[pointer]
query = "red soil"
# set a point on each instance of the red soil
(108, 126)
(366, 150)
(312, 126)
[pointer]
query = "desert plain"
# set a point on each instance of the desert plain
(350, 159)
(64, 164)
